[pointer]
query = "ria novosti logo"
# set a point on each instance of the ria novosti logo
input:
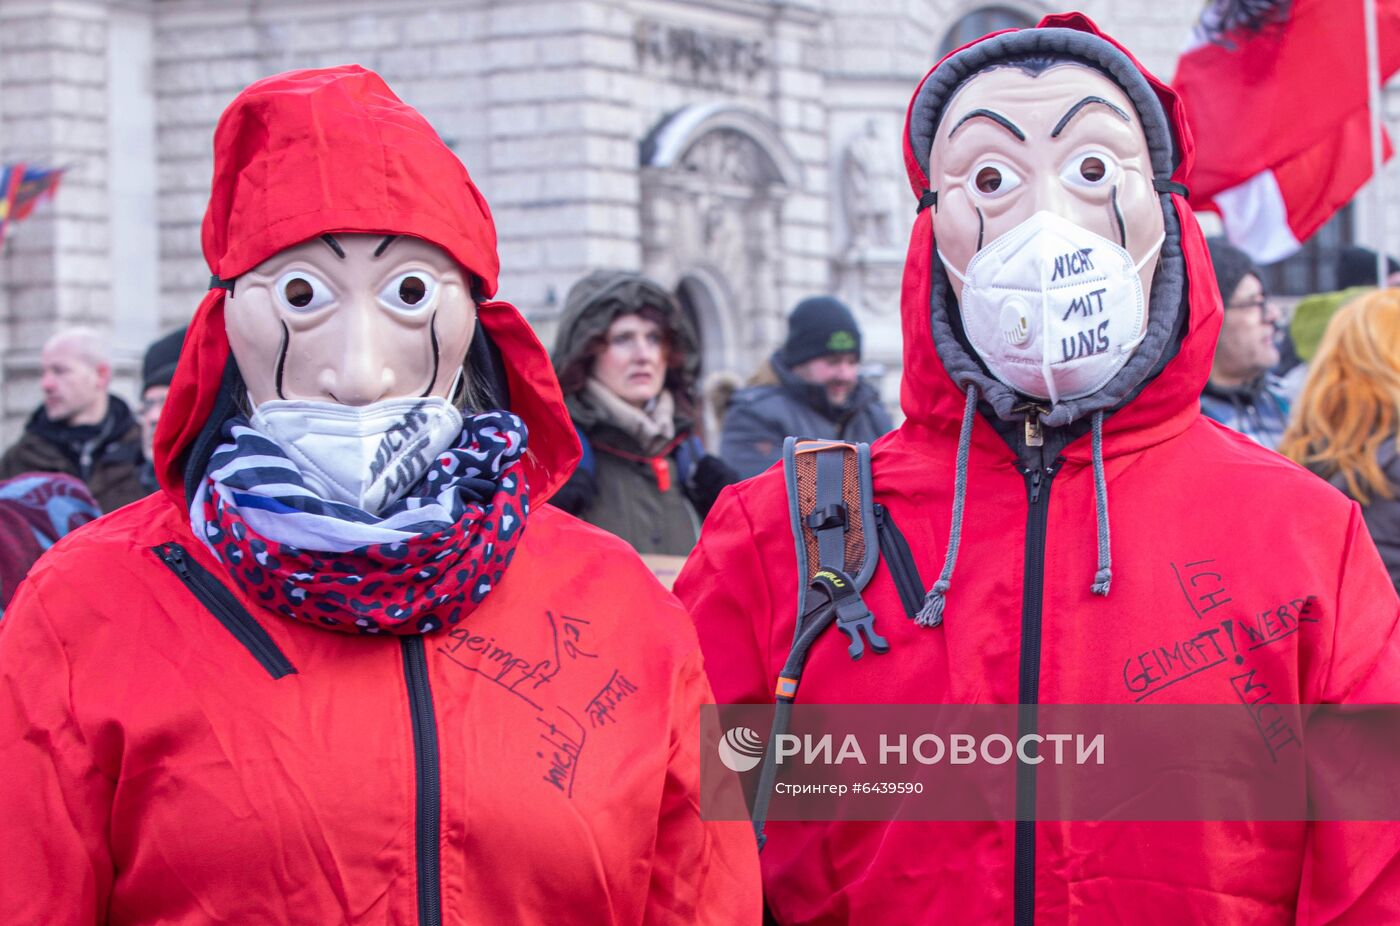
(741, 749)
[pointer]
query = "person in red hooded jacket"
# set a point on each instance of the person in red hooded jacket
(1047, 162)
(348, 666)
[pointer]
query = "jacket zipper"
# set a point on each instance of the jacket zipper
(220, 602)
(900, 561)
(1032, 603)
(428, 781)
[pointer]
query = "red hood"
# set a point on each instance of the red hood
(334, 150)
(928, 394)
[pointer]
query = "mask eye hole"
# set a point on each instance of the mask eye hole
(412, 290)
(300, 291)
(1090, 169)
(409, 292)
(992, 179)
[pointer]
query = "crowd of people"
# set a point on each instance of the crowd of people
(366, 633)
(629, 364)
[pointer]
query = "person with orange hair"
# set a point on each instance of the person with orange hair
(1345, 423)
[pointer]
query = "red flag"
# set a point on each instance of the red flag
(1254, 100)
(1271, 214)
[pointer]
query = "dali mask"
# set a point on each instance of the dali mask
(351, 346)
(1047, 224)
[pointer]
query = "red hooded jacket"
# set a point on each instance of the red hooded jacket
(167, 762)
(1182, 490)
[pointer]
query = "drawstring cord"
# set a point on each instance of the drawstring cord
(1104, 575)
(931, 614)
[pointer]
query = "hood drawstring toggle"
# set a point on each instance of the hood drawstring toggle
(662, 471)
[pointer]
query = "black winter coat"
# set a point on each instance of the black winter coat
(1383, 514)
(106, 456)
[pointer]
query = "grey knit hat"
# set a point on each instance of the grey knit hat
(1231, 266)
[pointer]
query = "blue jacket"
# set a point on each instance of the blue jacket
(760, 417)
(1258, 410)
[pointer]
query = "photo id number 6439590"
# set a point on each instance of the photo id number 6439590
(887, 787)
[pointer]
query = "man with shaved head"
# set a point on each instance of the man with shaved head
(81, 429)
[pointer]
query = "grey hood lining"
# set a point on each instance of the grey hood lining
(1069, 44)
(1165, 301)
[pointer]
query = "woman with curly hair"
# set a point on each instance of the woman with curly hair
(1345, 423)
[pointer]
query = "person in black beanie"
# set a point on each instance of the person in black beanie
(1242, 393)
(157, 370)
(810, 387)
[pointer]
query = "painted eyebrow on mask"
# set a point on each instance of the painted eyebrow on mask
(383, 245)
(998, 118)
(334, 245)
(1074, 111)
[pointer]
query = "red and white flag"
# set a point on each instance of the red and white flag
(1276, 97)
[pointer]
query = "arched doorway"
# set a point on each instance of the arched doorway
(714, 179)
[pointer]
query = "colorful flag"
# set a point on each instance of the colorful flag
(23, 187)
(10, 177)
(37, 185)
(1276, 97)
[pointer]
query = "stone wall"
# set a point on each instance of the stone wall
(548, 104)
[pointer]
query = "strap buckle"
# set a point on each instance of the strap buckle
(828, 517)
(853, 618)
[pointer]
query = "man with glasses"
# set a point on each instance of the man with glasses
(1242, 394)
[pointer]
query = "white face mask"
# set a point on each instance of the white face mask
(1053, 309)
(364, 455)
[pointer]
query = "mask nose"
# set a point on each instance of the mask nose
(359, 373)
(1051, 196)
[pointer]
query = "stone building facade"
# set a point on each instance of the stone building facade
(744, 152)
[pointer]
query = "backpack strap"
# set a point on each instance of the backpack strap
(829, 520)
(831, 504)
